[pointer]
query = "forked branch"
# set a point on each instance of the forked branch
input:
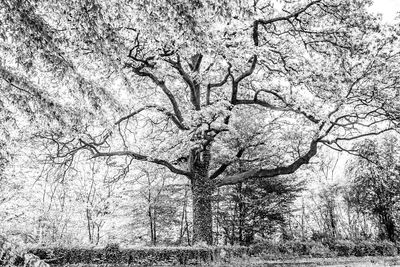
(263, 173)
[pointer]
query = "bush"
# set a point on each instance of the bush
(386, 248)
(112, 247)
(304, 248)
(228, 252)
(319, 250)
(343, 248)
(115, 255)
(365, 248)
(295, 248)
(290, 249)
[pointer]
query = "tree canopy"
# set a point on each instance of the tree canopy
(197, 87)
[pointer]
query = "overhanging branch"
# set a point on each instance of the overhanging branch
(263, 173)
(161, 109)
(141, 157)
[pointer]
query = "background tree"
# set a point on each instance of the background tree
(256, 208)
(176, 84)
(325, 209)
(376, 184)
(166, 203)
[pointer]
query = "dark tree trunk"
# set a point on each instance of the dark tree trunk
(202, 190)
(89, 225)
(241, 216)
(202, 212)
(184, 221)
(389, 225)
(151, 220)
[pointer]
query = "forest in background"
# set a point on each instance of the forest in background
(174, 123)
(153, 208)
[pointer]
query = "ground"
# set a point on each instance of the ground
(331, 262)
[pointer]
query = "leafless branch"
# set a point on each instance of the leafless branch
(141, 157)
(161, 109)
(258, 22)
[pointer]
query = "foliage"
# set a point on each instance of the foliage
(343, 247)
(142, 256)
(347, 248)
(328, 198)
(256, 209)
(194, 87)
(290, 249)
(375, 185)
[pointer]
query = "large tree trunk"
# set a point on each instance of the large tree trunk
(202, 190)
(202, 211)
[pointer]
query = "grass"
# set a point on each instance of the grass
(305, 262)
(332, 262)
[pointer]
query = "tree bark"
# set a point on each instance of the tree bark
(202, 210)
(89, 225)
(202, 190)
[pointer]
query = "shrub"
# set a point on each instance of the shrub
(228, 252)
(302, 248)
(342, 247)
(112, 247)
(114, 255)
(264, 247)
(295, 248)
(365, 248)
(290, 249)
(386, 248)
(319, 250)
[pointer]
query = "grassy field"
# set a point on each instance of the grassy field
(254, 262)
(331, 262)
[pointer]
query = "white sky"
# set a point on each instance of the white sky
(388, 9)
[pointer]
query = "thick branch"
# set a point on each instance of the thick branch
(214, 85)
(193, 85)
(249, 71)
(164, 88)
(223, 167)
(263, 173)
(235, 82)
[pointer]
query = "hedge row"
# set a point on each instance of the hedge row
(342, 248)
(140, 256)
(112, 254)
